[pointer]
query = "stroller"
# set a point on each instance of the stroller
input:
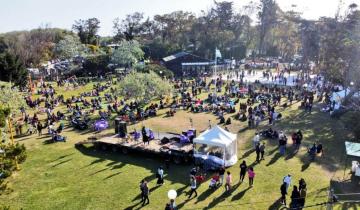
(214, 182)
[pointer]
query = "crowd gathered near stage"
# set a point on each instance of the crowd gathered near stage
(226, 93)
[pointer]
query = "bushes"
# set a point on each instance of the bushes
(158, 69)
(7, 161)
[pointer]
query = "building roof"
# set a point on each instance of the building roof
(174, 56)
(187, 58)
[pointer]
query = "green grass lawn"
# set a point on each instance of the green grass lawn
(59, 176)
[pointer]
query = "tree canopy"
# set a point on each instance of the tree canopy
(143, 87)
(87, 30)
(128, 53)
(69, 47)
(12, 69)
(11, 98)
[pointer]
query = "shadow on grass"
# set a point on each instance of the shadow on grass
(62, 157)
(274, 159)
(253, 164)
(44, 136)
(222, 197)
(290, 154)
(205, 195)
(96, 172)
(181, 190)
(178, 174)
(62, 162)
(240, 194)
(133, 206)
(247, 154)
(243, 129)
(118, 166)
(97, 161)
(112, 175)
(273, 151)
(277, 205)
(154, 188)
(305, 166)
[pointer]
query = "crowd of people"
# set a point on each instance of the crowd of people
(262, 106)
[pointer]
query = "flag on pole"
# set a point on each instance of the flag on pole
(217, 53)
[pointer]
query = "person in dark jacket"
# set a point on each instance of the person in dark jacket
(146, 194)
(144, 135)
(283, 193)
(221, 174)
(243, 169)
(257, 150)
(262, 151)
(295, 196)
(302, 198)
(142, 190)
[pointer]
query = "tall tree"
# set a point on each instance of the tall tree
(12, 69)
(267, 18)
(129, 27)
(87, 30)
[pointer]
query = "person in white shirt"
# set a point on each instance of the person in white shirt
(256, 139)
(160, 176)
(287, 180)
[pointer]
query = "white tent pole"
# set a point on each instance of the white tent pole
(224, 155)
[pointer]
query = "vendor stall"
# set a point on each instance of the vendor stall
(216, 145)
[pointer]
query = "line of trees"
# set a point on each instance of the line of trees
(331, 43)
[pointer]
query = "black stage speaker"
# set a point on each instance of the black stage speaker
(120, 127)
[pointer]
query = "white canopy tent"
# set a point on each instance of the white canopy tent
(218, 145)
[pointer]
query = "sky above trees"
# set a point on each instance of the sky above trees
(26, 14)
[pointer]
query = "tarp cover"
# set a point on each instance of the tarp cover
(352, 148)
(216, 136)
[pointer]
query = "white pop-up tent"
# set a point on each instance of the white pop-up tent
(218, 145)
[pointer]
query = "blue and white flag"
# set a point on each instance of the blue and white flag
(217, 53)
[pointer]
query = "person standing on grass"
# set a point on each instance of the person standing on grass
(39, 128)
(282, 144)
(256, 140)
(172, 204)
(251, 175)
(146, 194)
(287, 180)
(262, 151)
(257, 151)
(228, 182)
(221, 174)
(301, 202)
(283, 193)
(193, 187)
(142, 190)
(243, 168)
(295, 196)
(160, 176)
(302, 184)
